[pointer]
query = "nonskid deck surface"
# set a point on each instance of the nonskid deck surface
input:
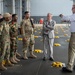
(38, 66)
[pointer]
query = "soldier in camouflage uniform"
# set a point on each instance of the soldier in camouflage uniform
(1, 20)
(28, 36)
(5, 42)
(13, 38)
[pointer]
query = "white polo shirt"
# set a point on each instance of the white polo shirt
(72, 20)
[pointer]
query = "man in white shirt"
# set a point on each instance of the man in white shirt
(71, 48)
(48, 36)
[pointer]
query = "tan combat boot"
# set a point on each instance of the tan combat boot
(16, 58)
(8, 63)
(2, 67)
(25, 55)
(18, 55)
(32, 55)
(12, 60)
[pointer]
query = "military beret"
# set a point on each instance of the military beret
(6, 15)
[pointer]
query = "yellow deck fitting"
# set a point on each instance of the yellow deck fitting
(57, 64)
(65, 34)
(35, 36)
(57, 44)
(56, 36)
(38, 51)
(20, 39)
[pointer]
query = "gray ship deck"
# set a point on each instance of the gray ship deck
(38, 66)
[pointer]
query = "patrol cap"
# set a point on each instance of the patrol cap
(6, 15)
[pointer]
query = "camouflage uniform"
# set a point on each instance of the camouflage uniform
(1, 20)
(13, 37)
(5, 41)
(0, 42)
(0, 39)
(27, 32)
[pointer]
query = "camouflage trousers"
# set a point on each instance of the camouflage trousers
(13, 47)
(0, 42)
(28, 44)
(5, 51)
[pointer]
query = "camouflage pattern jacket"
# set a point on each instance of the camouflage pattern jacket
(13, 30)
(27, 28)
(4, 31)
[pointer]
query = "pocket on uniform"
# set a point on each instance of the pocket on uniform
(32, 41)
